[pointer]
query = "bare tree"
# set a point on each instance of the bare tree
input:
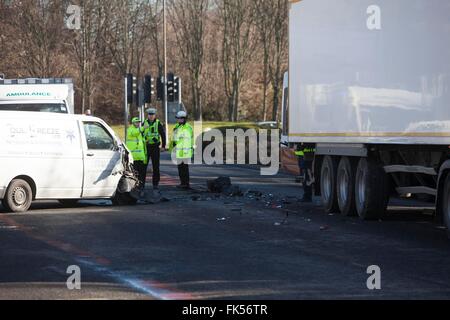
(39, 27)
(188, 20)
(236, 20)
(264, 22)
(225, 49)
(89, 49)
(154, 34)
(128, 32)
(279, 51)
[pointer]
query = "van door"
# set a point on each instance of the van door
(102, 161)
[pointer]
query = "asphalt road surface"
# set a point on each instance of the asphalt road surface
(197, 245)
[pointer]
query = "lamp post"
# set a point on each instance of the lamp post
(166, 113)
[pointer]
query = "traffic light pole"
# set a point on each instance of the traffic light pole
(126, 110)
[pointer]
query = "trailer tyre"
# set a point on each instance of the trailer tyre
(346, 186)
(446, 204)
(18, 197)
(371, 190)
(328, 175)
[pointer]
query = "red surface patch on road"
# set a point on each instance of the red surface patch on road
(169, 293)
(166, 180)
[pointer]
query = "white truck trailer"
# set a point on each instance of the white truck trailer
(54, 95)
(369, 87)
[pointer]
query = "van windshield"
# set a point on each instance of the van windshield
(36, 107)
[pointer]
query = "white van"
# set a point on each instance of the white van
(54, 95)
(62, 157)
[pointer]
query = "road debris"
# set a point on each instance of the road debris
(253, 194)
(223, 185)
(218, 185)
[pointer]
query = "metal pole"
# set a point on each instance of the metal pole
(166, 113)
(126, 110)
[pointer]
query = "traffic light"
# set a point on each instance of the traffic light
(160, 89)
(149, 88)
(176, 89)
(136, 95)
(131, 88)
(170, 87)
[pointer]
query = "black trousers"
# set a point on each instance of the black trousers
(141, 169)
(307, 184)
(183, 172)
(154, 154)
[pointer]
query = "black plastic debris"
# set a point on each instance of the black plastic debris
(253, 194)
(218, 185)
(223, 185)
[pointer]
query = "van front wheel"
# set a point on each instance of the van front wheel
(18, 197)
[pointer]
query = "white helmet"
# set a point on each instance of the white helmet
(181, 115)
(152, 111)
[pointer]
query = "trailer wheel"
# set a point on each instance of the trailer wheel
(446, 204)
(346, 187)
(371, 190)
(18, 197)
(328, 175)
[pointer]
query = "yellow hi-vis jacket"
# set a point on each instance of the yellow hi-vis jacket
(135, 142)
(183, 141)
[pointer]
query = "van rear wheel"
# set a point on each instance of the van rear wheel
(18, 197)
